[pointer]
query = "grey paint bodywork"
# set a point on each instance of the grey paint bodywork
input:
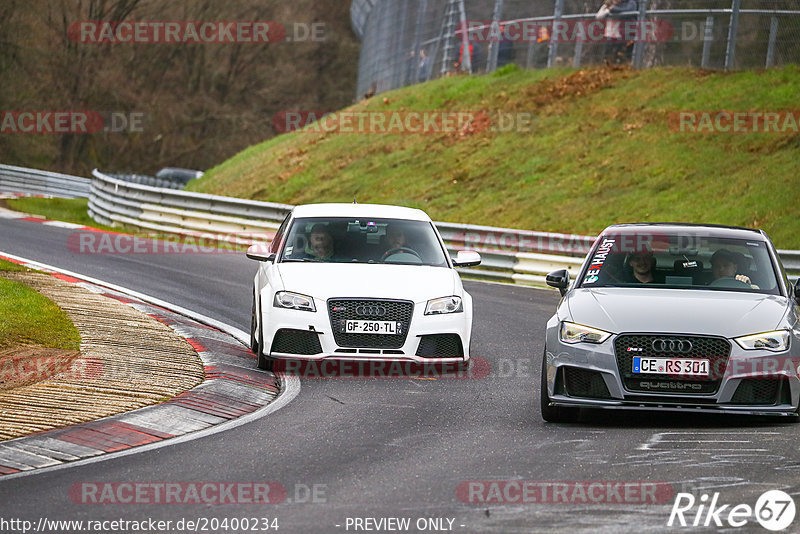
(648, 310)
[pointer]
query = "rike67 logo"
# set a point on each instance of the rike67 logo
(774, 510)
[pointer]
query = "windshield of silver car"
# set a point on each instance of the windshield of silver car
(681, 260)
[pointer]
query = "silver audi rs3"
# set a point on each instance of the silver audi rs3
(676, 317)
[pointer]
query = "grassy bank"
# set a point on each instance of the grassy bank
(73, 210)
(598, 150)
(31, 318)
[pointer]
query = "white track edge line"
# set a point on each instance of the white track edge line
(290, 385)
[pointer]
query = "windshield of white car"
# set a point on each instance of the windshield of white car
(688, 260)
(363, 240)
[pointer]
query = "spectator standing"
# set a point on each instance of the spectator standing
(505, 49)
(617, 13)
(424, 67)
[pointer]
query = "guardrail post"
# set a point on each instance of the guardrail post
(417, 72)
(733, 29)
(494, 45)
(638, 46)
(708, 38)
(530, 60)
(773, 36)
(576, 59)
(552, 53)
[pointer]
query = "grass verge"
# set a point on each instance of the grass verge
(599, 150)
(72, 210)
(31, 318)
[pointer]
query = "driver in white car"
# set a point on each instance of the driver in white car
(395, 237)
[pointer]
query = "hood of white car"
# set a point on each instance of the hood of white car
(409, 282)
(723, 313)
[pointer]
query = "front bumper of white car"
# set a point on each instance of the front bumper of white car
(318, 335)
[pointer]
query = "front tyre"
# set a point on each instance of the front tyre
(554, 414)
(265, 362)
(254, 342)
(257, 341)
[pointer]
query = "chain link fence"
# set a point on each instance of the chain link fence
(412, 41)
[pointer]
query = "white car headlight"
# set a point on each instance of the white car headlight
(776, 341)
(444, 305)
(294, 301)
(576, 333)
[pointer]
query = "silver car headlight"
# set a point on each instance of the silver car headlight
(776, 341)
(444, 305)
(577, 333)
(294, 301)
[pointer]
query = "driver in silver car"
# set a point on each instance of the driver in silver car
(725, 264)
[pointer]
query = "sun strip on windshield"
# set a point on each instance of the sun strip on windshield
(597, 261)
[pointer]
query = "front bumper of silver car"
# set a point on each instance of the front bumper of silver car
(752, 382)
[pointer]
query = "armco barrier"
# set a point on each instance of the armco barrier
(36, 182)
(508, 254)
(790, 260)
(113, 201)
(521, 256)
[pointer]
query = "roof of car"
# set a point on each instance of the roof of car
(717, 230)
(377, 211)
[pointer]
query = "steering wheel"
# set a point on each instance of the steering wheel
(729, 282)
(396, 250)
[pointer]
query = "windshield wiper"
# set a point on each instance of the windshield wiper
(286, 260)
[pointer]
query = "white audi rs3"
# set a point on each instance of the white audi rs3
(359, 282)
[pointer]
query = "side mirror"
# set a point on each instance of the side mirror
(467, 258)
(260, 253)
(797, 290)
(559, 280)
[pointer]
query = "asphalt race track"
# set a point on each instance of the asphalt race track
(350, 449)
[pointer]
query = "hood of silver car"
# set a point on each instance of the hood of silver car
(724, 313)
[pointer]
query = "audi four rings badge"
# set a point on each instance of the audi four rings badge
(672, 345)
(371, 311)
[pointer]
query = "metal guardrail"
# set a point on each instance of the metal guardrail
(168, 177)
(790, 260)
(520, 256)
(114, 201)
(145, 179)
(508, 254)
(408, 42)
(37, 182)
